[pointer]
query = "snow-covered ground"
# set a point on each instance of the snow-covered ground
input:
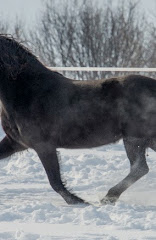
(31, 210)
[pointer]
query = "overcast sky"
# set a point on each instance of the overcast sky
(28, 10)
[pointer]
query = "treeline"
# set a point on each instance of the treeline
(84, 33)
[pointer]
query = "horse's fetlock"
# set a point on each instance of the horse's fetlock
(113, 193)
(57, 187)
(145, 170)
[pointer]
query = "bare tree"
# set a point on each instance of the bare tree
(4, 26)
(151, 44)
(19, 32)
(16, 29)
(85, 34)
(151, 47)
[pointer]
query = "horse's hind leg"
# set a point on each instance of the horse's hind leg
(8, 147)
(135, 149)
(49, 159)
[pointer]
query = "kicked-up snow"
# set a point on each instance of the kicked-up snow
(31, 210)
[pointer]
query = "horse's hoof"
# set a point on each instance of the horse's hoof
(108, 201)
(76, 201)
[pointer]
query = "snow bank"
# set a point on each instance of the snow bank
(31, 210)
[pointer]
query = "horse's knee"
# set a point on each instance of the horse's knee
(57, 185)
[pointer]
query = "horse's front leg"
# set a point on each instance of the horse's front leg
(49, 159)
(135, 149)
(9, 147)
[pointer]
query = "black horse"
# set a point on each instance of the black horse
(43, 110)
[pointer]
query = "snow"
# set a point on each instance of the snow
(31, 210)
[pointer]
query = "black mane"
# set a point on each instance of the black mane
(15, 57)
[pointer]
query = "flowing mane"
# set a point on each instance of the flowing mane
(15, 57)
